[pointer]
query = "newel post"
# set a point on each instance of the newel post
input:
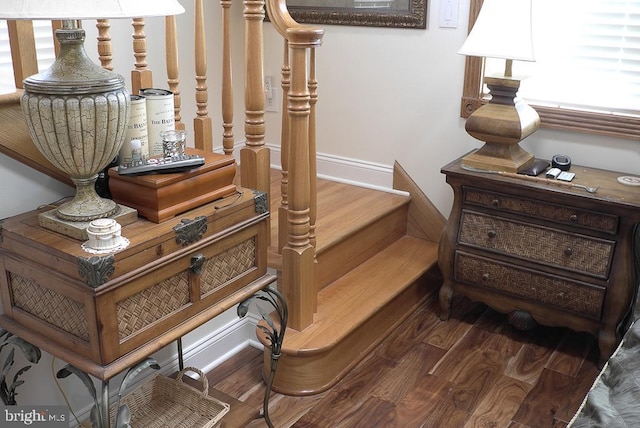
(298, 254)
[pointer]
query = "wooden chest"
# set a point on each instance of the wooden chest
(101, 312)
(544, 252)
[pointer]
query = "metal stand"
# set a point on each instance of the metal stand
(273, 333)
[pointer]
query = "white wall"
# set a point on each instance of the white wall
(394, 94)
(384, 95)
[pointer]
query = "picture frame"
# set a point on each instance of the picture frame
(371, 13)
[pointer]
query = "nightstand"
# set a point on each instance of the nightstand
(543, 252)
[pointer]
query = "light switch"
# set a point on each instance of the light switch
(449, 13)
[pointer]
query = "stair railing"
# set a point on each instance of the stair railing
(298, 210)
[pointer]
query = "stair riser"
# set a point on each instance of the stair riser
(336, 260)
(309, 372)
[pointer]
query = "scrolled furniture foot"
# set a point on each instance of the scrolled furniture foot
(272, 331)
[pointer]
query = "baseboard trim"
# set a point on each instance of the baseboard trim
(341, 169)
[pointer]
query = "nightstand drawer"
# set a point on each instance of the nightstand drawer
(543, 210)
(579, 253)
(582, 298)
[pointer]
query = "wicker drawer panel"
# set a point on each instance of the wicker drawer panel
(583, 254)
(228, 265)
(152, 304)
(555, 291)
(559, 213)
(50, 306)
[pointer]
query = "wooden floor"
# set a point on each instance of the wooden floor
(474, 370)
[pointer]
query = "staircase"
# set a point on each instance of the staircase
(376, 257)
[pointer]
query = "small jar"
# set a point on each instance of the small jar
(104, 234)
(174, 143)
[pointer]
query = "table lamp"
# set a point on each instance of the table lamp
(76, 111)
(502, 30)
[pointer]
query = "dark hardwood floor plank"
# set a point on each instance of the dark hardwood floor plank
(464, 313)
(473, 370)
(247, 356)
(424, 402)
(533, 357)
(409, 370)
(571, 352)
(556, 396)
(500, 403)
(374, 412)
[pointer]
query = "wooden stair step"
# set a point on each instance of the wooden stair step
(354, 314)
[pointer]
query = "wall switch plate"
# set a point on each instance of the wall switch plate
(270, 95)
(448, 14)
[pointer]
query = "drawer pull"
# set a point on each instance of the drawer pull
(495, 203)
(197, 261)
(485, 277)
(573, 218)
(561, 294)
(568, 251)
(491, 234)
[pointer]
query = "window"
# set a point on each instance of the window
(44, 47)
(586, 77)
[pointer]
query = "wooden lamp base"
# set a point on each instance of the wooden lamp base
(498, 157)
(502, 124)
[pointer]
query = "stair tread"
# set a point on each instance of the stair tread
(342, 209)
(342, 306)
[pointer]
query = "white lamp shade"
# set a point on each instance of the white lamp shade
(87, 9)
(502, 30)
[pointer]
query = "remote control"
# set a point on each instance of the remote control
(161, 165)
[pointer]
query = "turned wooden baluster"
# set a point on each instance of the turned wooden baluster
(202, 125)
(313, 169)
(254, 156)
(171, 46)
(284, 151)
(227, 84)
(141, 76)
(105, 52)
(23, 50)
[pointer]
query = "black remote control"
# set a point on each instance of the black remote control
(167, 165)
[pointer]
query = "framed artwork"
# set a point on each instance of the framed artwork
(372, 13)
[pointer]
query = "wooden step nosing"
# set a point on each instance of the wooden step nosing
(321, 323)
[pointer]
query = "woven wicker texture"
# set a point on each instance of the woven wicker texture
(50, 306)
(581, 298)
(168, 403)
(558, 213)
(218, 270)
(583, 254)
(152, 304)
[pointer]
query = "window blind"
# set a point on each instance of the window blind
(44, 47)
(587, 56)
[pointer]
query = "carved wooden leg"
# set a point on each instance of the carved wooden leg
(445, 297)
(607, 341)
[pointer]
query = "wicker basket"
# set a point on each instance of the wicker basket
(170, 403)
